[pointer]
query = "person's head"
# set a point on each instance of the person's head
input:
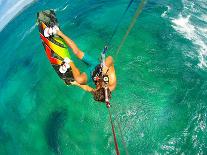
(99, 94)
(101, 81)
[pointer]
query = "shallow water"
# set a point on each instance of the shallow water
(160, 100)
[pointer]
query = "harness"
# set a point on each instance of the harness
(99, 75)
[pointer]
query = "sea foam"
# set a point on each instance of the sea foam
(164, 14)
(191, 30)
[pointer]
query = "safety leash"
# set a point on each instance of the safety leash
(113, 131)
(112, 125)
(107, 102)
(137, 13)
(122, 137)
(119, 22)
(131, 25)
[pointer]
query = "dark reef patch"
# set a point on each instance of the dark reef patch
(54, 124)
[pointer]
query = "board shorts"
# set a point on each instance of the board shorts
(91, 63)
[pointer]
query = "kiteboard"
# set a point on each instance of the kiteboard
(54, 46)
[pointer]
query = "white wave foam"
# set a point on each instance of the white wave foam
(28, 32)
(62, 9)
(182, 25)
(192, 31)
(12, 12)
(65, 8)
(204, 17)
(164, 14)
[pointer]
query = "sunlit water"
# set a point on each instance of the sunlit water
(161, 96)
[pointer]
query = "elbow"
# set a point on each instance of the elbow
(81, 80)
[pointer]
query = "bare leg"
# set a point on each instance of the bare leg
(71, 44)
(80, 78)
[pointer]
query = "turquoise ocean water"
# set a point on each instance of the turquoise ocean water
(161, 96)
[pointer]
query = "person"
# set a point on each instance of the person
(102, 74)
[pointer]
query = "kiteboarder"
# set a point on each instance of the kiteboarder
(102, 74)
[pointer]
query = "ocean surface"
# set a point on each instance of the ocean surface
(160, 101)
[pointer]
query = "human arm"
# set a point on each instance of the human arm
(84, 87)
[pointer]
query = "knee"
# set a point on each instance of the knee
(81, 79)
